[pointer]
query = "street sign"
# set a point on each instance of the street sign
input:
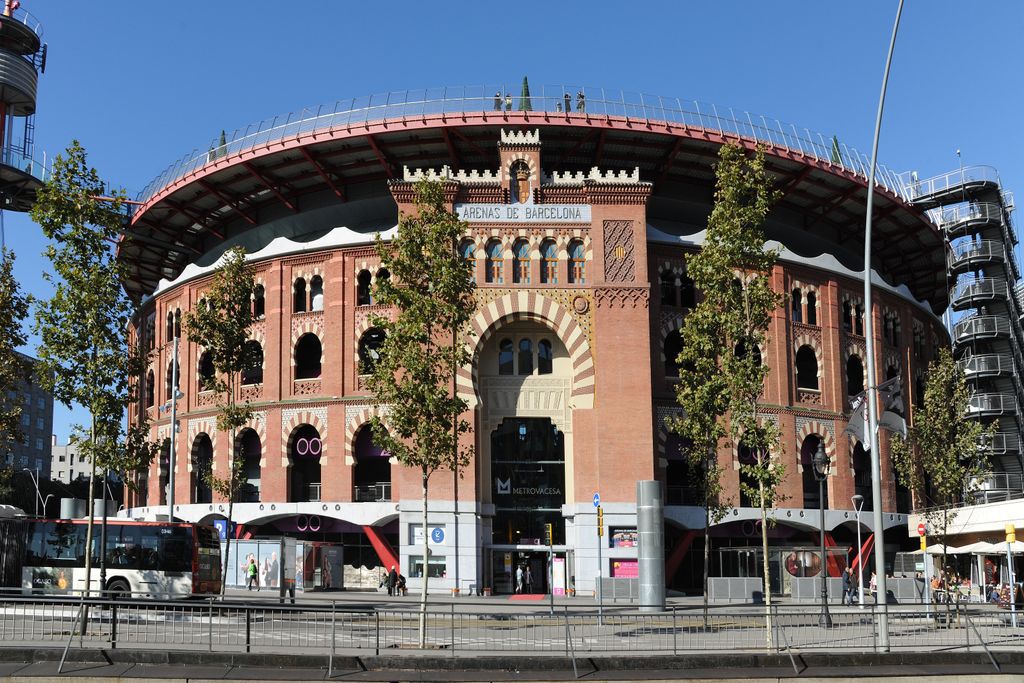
(437, 535)
(921, 529)
(597, 499)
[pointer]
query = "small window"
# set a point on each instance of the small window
(150, 392)
(812, 312)
(308, 353)
(521, 262)
(667, 284)
(858, 320)
(549, 262)
(854, 376)
(252, 373)
(369, 349)
(796, 306)
(299, 296)
(806, 368)
(467, 250)
(544, 357)
(495, 263)
(177, 323)
(847, 316)
(525, 357)
(206, 372)
(577, 264)
(687, 292)
(169, 328)
(316, 293)
(673, 347)
(505, 359)
(259, 302)
(363, 288)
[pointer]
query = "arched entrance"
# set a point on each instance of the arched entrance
(371, 475)
(250, 451)
(202, 462)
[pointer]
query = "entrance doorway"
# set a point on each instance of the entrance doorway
(508, 564)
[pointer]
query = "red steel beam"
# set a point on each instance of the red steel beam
(380, 156)
(339, 192)
(269, 185)
(230, 202)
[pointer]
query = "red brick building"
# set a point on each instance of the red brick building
(579, 223)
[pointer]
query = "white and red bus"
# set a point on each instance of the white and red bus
(144, 559)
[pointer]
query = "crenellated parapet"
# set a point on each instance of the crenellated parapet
(595, 175)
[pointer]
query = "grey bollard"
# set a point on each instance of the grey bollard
(650, 514)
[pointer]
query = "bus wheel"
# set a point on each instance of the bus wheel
(118, 589)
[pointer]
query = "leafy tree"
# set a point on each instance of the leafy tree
(431, 292)
(14, 369)
(220, 326)
(85, 358)
(943, 453)
(524, 97)
(722, 371)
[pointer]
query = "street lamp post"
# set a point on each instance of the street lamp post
(35, 482)
(821, 465)
(858, 505)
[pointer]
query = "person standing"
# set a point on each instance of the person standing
(873, 587)
(497, 101)
(508, 102)
(847, 589)
(392, 580)
(519, 579)
(581, 101)
(568, 102)
(528, 579)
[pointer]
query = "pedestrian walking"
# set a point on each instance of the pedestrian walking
(528, 579)
(392, 580)
(252, 574)
(873, 587)
(847, 586)
(581, 101)
(497, 101)
(519, 579)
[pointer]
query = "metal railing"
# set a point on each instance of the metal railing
(966, 251)
(981, 326)
(991, 404)
(544, 101)
(313, 493)
(371, 493)
(991, 487)
(330, 629)
(986, 364)
(970, 287)
(26, 18)
(948, 181)
(16, 157)
(947, 217)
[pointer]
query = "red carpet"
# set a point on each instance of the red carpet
(528, 596)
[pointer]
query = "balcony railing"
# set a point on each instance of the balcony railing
(544, 101)
(983, 250)
(969, 288)
(372, 493)
(1002, 443)
(313, 493)
(991, 487)
(16, 157)
(991, 404)
(948, 216)
(986, 365)
(981, 326)
(948, 181)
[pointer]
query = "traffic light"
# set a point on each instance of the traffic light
(548, 534)
(600, 521)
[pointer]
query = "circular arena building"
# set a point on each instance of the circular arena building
(581, 210)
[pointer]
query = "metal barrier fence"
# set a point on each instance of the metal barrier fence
(329, 629)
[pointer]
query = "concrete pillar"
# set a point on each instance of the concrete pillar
(650, 513)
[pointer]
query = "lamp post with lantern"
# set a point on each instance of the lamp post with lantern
(821, 466)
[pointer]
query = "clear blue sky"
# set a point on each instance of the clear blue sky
(141, 83)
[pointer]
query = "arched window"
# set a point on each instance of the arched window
(177, 323)
(687, 292)
(847, 316)
(519, 182)
(151, 331)
(741, 352)
(206, 372)
(545, 357)
(253, 371)
(858, 319)
(467, 250)
(316, 293)
(525, 357)
(812, 498)
(202, 462)
(249, 451)
(363, 288)
(172, 371)
(308, 352)
(299, 296)
(796, 306)
(673, 347)
(371, 477)
(383, 274)
(549, 262)
(495, 263)
(806, 368)
(854, 376)
(259, 302)
(577, 264)
(812, 311)
(369, 349)
(305, 448)
(748, 482)
(521, 262)
(169, 328)
(505, 357)
(667, 285)
(150, 389)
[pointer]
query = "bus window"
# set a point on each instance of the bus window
(176, 548)
(54, 544)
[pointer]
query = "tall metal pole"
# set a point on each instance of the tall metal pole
(174, 431)
(872, 392)
(821, 474)
(859, 505)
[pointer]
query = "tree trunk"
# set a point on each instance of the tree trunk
(426, 565)
(231, 493)
(88, 527)
(767, 578)
(707, 548)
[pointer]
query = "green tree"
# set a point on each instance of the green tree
(722, 373)
(943, 454)
(85, 358)
(14, 368)
(220, 326)
(431, 293)
(524, 97)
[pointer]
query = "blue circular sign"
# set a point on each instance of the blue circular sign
(597, 499)
(437, 535)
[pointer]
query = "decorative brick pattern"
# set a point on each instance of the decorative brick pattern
(622, 297)
(619, 251)
(306, 387)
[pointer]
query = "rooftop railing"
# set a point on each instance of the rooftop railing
(16, 157)
(26, 18)
(543, 101)
(946, 182)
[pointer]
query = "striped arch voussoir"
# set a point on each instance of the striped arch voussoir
(533, 307)
(807, 340)
(303, 417)
(813, 427)
(352, 427)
